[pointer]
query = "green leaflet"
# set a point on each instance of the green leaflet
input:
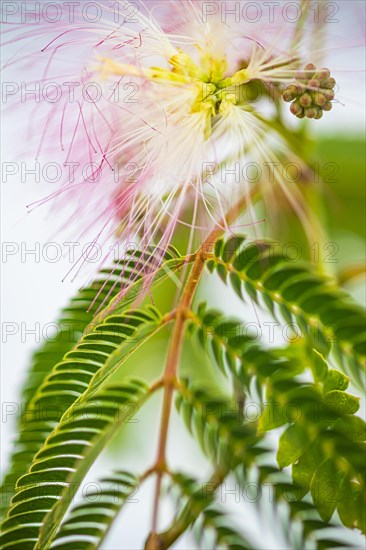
(217, 425)
(197, 509)
(324, 313)
(239, 354)
(44, 494)
(292, 444)
(225, 534)
(341, 402)
(324, 488)
(207, 516)
(93, 517)
(304, 467)
(335, 381)
(351, 505)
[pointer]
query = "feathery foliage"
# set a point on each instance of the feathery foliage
(291, 290)
(58, 468)
(89, 521)
(264, 405)
(91, 335)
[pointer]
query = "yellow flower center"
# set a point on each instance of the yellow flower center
(214, 93)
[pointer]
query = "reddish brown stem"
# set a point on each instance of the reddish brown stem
(171, 368)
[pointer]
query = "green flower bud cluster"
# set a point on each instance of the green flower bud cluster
(312, 92)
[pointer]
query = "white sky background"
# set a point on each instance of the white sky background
(32, 291)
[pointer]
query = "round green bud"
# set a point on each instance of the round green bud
(327, 106)
(314, 83)
(288, 96)
(300, 87)
(310, 112)
(329, 84)
(323, 74)
(301, 115)
(329, 94)
(319, 114)
(319, 99)
(290, 93)
(310, 67)
(296, 109)
(305, 100)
